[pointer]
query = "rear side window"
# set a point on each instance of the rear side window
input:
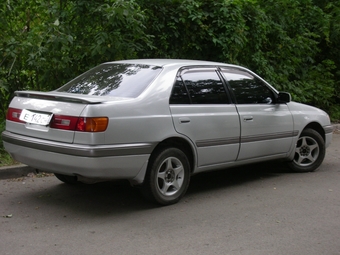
(118, 80)
(199, 87)
(247, 88)
(179, 93)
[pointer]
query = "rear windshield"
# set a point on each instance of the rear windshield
(118, 80)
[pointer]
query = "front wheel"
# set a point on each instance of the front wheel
(309, 152)
(167, 177)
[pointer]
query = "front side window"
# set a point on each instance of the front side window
(247, 88)
(118, 80)
(203, 86)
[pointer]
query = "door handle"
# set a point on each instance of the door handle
(184, 120)
(248, 118)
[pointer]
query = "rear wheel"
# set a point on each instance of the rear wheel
(167, 177)
(309, 152)
(67, 178)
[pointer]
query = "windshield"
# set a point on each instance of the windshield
(118, 80)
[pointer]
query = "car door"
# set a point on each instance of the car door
(201, 110)
(266, 126)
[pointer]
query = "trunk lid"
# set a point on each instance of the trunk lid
(49, 104)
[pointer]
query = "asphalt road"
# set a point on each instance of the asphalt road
(258, 209)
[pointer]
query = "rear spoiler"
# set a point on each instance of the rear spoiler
(61, 96)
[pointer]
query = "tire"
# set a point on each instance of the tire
(168, 176)
(309, 152)
(67, 178)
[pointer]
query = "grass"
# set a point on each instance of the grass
(6, 159)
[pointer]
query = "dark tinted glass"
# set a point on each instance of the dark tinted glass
(120, 80)
(205, 87)
(179, 93)
(247, 88)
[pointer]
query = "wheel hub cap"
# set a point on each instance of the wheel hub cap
(304, 151)
(169, 176)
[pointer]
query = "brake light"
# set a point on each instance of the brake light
(64, 122)
(13, 114)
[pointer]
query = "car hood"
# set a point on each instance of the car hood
(295, 106)
(304, 114)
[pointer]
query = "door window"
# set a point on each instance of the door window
(179, 93)
(200, 87)
(247, 88)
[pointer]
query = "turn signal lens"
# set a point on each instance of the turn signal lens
(94, 124)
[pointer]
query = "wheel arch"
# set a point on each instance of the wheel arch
(317, 127)
(182, 144)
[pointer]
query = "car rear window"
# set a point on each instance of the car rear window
(118, 80)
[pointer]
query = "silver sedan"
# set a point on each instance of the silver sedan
(156, 122)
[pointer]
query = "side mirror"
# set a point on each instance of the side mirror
(284, 97)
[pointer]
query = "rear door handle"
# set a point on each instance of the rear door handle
(184, 120)
(248, 118)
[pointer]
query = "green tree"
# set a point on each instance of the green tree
(283, 40)
(294, 44)
(44, 43)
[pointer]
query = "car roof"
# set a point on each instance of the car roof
(172, 62)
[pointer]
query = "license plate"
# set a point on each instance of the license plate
(35, 117)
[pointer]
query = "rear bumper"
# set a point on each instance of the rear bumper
(123, 161)
(81, 150)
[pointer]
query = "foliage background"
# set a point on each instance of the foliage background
(293, 44)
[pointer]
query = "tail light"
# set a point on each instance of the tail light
(13, 114)
(82, 124)
(64, 122)
(93, 124)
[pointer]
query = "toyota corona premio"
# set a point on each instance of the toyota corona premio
(156, 122)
